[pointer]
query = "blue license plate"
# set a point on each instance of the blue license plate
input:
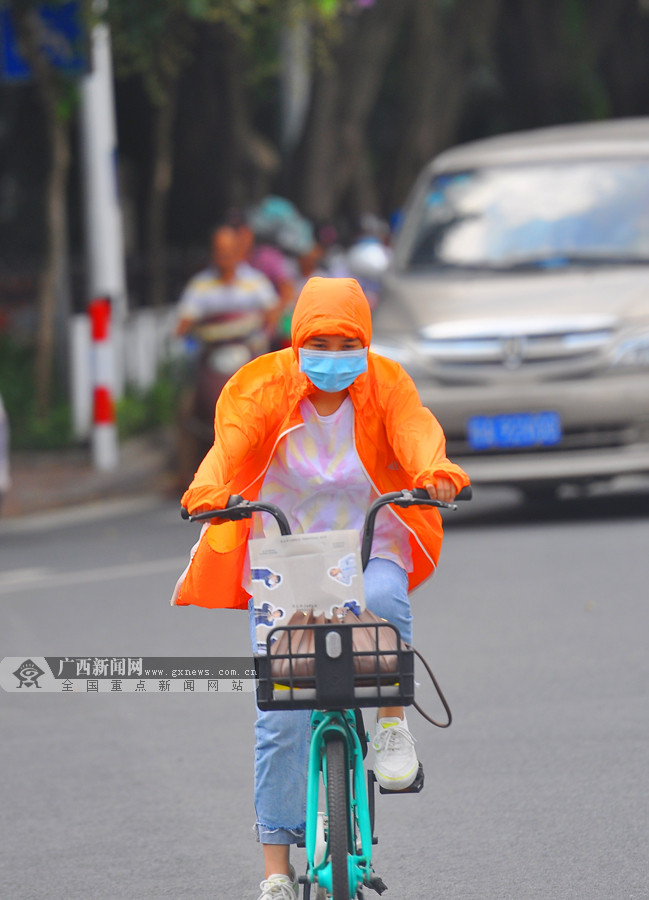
(542, 429)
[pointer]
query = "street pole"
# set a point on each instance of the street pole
(105, 245)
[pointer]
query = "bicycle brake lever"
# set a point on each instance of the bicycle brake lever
(420, 497)
(466, 493)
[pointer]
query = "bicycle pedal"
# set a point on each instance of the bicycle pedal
(377, 884)
(414, 788)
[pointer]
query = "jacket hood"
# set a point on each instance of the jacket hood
(331, 306)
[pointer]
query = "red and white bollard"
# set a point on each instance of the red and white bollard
(105, 452)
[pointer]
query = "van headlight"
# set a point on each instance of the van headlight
(632, 352)
(397, 352)
(404, 354)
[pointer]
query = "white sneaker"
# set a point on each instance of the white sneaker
(396, 761)
(280, 887)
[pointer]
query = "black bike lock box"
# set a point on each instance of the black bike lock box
(334, 664)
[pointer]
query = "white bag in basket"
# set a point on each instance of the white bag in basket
(320, 571)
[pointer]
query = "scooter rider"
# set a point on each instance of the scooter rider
(228, 285)
(226, 315)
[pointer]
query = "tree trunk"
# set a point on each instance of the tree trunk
(51, 284)
(445, 47)
(552, 58)
(52, 279)
(254, 161)
(161, 179)
(345, 93)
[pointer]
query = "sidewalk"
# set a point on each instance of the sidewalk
(60, 478)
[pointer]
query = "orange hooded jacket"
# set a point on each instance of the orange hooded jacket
(399, 442)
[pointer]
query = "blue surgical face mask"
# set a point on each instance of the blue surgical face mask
(333, 371)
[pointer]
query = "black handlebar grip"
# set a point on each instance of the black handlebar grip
(422, 494)
(234, 500)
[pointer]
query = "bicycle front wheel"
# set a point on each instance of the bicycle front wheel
(338, 816)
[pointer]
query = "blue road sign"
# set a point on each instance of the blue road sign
(62, 40)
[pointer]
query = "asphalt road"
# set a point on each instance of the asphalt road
(536, 625)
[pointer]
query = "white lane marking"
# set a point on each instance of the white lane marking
(24, 576)
(39, 579)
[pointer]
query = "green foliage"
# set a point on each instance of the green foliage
(136, 412)
(51, 433)
(590, 88)
(327, 8)
(153, 38)
(67, 99)
(141, 411)
(17, 388)
(238, 12)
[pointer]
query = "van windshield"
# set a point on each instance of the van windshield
(537, 216)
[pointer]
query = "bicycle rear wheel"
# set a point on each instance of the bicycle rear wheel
(338, 817)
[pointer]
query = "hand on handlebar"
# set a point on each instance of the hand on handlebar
(443, 490)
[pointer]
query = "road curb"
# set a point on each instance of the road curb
(43, 481)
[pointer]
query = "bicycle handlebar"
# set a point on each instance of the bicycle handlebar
(414, 497)
(237, 508)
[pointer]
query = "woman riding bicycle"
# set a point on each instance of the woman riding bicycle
(320, 428)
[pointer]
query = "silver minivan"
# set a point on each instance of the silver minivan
(518, 300)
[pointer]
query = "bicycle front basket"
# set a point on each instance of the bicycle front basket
(319, 667)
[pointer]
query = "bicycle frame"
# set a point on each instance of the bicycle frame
(334, 724)
(334, 719)
(325, 723)
(335, 692)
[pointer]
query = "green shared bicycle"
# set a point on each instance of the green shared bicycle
(328, 679)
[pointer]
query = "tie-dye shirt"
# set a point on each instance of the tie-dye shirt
(316, 477)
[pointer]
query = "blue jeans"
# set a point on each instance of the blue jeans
(282, 736)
